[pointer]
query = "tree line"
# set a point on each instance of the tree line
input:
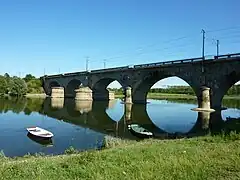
(16, 86)
(234, 90)
(174, 90)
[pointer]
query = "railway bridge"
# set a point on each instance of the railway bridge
(210, 78)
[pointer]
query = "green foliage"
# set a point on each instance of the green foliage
(17, 86)
(116, 90)
(29, 77)
(6, 75)
(174, 90)
(3, 85)
(71, 150)
(35, 86)
(234, 90)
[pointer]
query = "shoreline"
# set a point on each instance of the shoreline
(176, 96)
(29, 95)
(163, 96)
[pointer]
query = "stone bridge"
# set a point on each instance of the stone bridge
(216, 75)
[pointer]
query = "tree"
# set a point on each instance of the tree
(3, 85)
(17, 86)
(35, 86)
(29, 77)
(6, 75)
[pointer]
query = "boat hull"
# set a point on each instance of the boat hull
(40, 140)
(140, 135)
(39, 132)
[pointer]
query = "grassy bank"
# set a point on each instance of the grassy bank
(197, 158)
(175, 96)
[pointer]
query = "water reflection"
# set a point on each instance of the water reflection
(57, 103)
(95, 116)
(84, 123)
(83, 106)
(42, 141)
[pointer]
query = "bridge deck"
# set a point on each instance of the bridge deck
(150, 65)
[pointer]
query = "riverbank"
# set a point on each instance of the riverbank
(197, 158)
(176, 96)
(42, 95)
(150, 95)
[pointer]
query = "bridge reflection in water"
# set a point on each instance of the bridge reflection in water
(93, 115)
(84, 124)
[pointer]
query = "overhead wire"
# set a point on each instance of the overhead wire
(154, 50)
(223, 29)
(145, 49)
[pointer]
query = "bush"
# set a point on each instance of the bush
(17, 86)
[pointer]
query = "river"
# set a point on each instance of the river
(84, 124)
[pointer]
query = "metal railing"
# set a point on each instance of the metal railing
(167, 63)
(227, 56)
(191, 60)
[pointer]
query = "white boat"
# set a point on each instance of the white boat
(139, 131)
(39, 132)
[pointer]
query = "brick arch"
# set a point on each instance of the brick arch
(142, 87)
(71, 87)
(99, 88)
(48, 86)
(226, 82)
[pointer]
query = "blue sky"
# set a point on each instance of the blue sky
(58, 35)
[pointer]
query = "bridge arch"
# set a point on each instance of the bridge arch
(48, 87)
(99, 89)
(142, 88)
(54, 84)
(223, 87)
(71, 87)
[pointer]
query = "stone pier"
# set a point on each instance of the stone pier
(128, 95)
(57, 103)
(204, 100)
(57, 92)
(128, 111)
(205, 117)
(83, 106)
(83, 94)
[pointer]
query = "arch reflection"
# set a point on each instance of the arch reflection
(94, 115)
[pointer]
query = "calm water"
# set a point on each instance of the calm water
(84, 125)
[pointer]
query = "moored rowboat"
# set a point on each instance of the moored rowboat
(139, 131)
(47, 142)
(39, 132)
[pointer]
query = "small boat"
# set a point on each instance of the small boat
(139, 131)
(47, 142)
(39, 132)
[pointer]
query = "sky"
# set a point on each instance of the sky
(56, 36)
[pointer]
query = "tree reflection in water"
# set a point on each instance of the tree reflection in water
(93, 115)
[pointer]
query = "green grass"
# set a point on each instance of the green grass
(170, 96)
(198, 158)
